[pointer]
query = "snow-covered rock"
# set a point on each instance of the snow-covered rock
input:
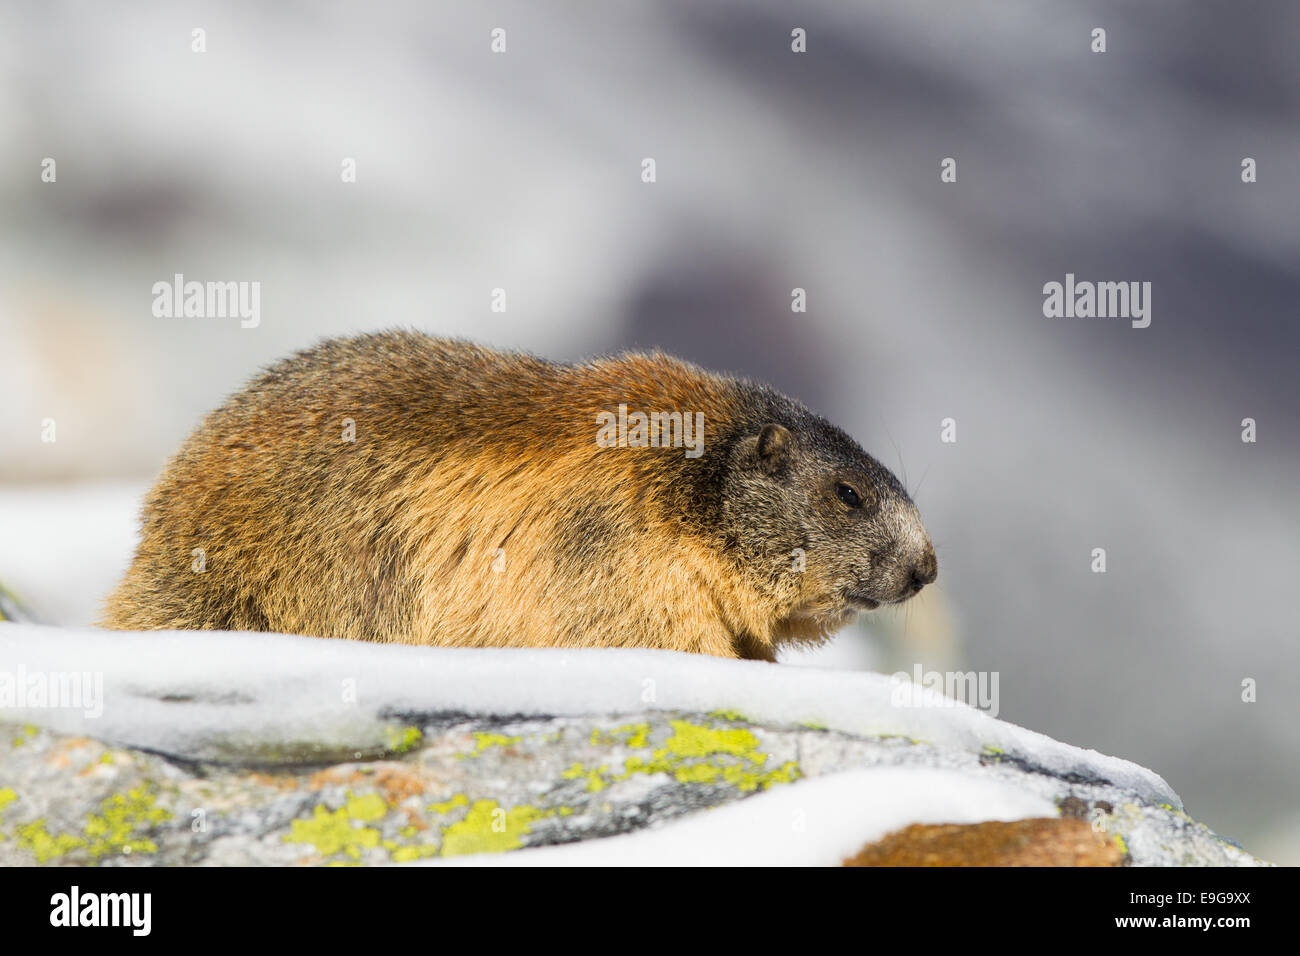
(210, 747)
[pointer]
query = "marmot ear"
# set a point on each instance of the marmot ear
(774, 448)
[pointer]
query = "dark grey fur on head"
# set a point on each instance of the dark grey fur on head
(790, 493)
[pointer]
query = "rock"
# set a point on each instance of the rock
(1035, 842)
(235, 750)
(482, 786)
(11, 609)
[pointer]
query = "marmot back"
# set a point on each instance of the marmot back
(398, 487)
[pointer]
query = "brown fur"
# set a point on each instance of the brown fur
(474, 508)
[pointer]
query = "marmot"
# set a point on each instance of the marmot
(404, 488)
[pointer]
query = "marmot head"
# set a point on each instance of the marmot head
(833, 530)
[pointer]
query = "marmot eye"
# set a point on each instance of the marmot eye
(847, 495)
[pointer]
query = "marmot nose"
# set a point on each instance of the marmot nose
(925, 571)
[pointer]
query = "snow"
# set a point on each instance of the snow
(63, 547)
(817, 822)
(243, 688)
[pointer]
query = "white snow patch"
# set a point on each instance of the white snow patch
(64, 547)
(247, 687)
(815, 822)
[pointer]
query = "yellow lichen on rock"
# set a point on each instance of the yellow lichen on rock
(489, 828)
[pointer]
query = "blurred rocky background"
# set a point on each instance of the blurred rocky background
(775, 170)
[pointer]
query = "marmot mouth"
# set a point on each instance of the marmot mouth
(862, 601)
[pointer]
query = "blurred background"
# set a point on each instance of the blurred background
(775, 170)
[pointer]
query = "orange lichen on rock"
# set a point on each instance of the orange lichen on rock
(398, 783)
(1044, 841)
